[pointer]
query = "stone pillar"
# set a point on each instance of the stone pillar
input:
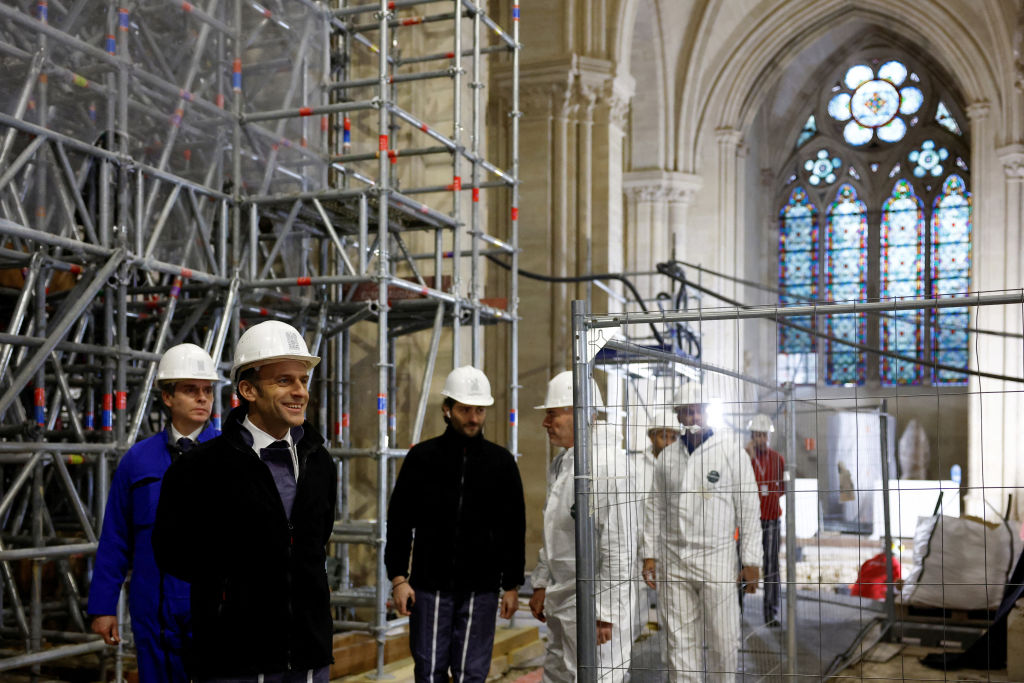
(657, 205)
(730, 193)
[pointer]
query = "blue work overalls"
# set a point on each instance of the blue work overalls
(159, 603)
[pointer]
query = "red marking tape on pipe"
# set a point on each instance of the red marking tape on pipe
(186, 273)
(476, 194)
(304, 281)
(305, 111)
(323, 124)
(412, 21)
(75, 269)
(383, 143)
(515, 213)
(122, 400)
(264, 312)
(345, 420)
(457, 184)
(337, 428)
(186, 6)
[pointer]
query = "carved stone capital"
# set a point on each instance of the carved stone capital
(658, 185)
(976, 111)
(1012, 158)
(535, 101)
(729, 139)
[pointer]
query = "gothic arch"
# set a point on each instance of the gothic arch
(754, 60)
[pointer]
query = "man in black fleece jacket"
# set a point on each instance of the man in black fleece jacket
(462, 498)
(245, 518)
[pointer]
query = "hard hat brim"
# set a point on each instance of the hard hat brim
(309, 361)
(474, 402)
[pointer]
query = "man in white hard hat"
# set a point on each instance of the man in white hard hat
(554, 578)
(769, 468)
(703, 489)
(246, 517)
(462, 498)
(159, 604)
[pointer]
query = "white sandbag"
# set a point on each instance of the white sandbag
(960, 563)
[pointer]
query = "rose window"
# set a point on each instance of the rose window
(822, 168)
(875, 103)
(928, 159)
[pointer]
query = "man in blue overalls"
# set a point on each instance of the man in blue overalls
(159, 603)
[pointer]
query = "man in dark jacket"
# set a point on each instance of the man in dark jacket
(463, 498)
(245, 519)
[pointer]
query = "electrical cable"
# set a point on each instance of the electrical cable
(582, 278)
(671, 269)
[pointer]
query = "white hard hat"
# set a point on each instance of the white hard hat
(268, 341)
(663, 417)
(761, 423)
(186, 361)
(560, 393)
(468, 385)
(692, 393)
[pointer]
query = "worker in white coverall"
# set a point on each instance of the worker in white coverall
(554, 579)
(662, 431)
(702, 491)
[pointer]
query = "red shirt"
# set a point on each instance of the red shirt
(768, 469)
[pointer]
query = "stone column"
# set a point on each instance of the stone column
(730, 253)
(657, 204)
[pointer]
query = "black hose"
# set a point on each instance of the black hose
(582, 278)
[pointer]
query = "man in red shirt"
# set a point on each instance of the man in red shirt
(768, 470)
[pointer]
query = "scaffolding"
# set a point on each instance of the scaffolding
(174, 172)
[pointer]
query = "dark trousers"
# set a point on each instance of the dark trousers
(452, 631)
(770, 545)
(770, 569)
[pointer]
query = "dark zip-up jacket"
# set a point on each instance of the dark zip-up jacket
(260, 600)
(463, 499)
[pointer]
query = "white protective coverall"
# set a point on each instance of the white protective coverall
(641, 474)
(556, 568)
(698, 500)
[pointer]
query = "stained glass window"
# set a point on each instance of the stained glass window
(809, 130)
(902, 275)
(846, 280)
(875, 104)
(928, 159)
(950, 274)
(798, 266)
(919, 243)
(946, 119)
(822, 168)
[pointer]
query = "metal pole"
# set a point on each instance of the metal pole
(889, 634)
(456, 183)
(428, 373)
(791, 540)
(513, 303)
(586, 561)
(475, 228)
(383, 187)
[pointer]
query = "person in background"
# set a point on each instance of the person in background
(461, 496)
(769, 469)
(703, 489)
(662, 431)
(554, 578)
(159, 604)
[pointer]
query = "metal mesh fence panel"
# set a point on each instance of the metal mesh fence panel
(734, 524)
